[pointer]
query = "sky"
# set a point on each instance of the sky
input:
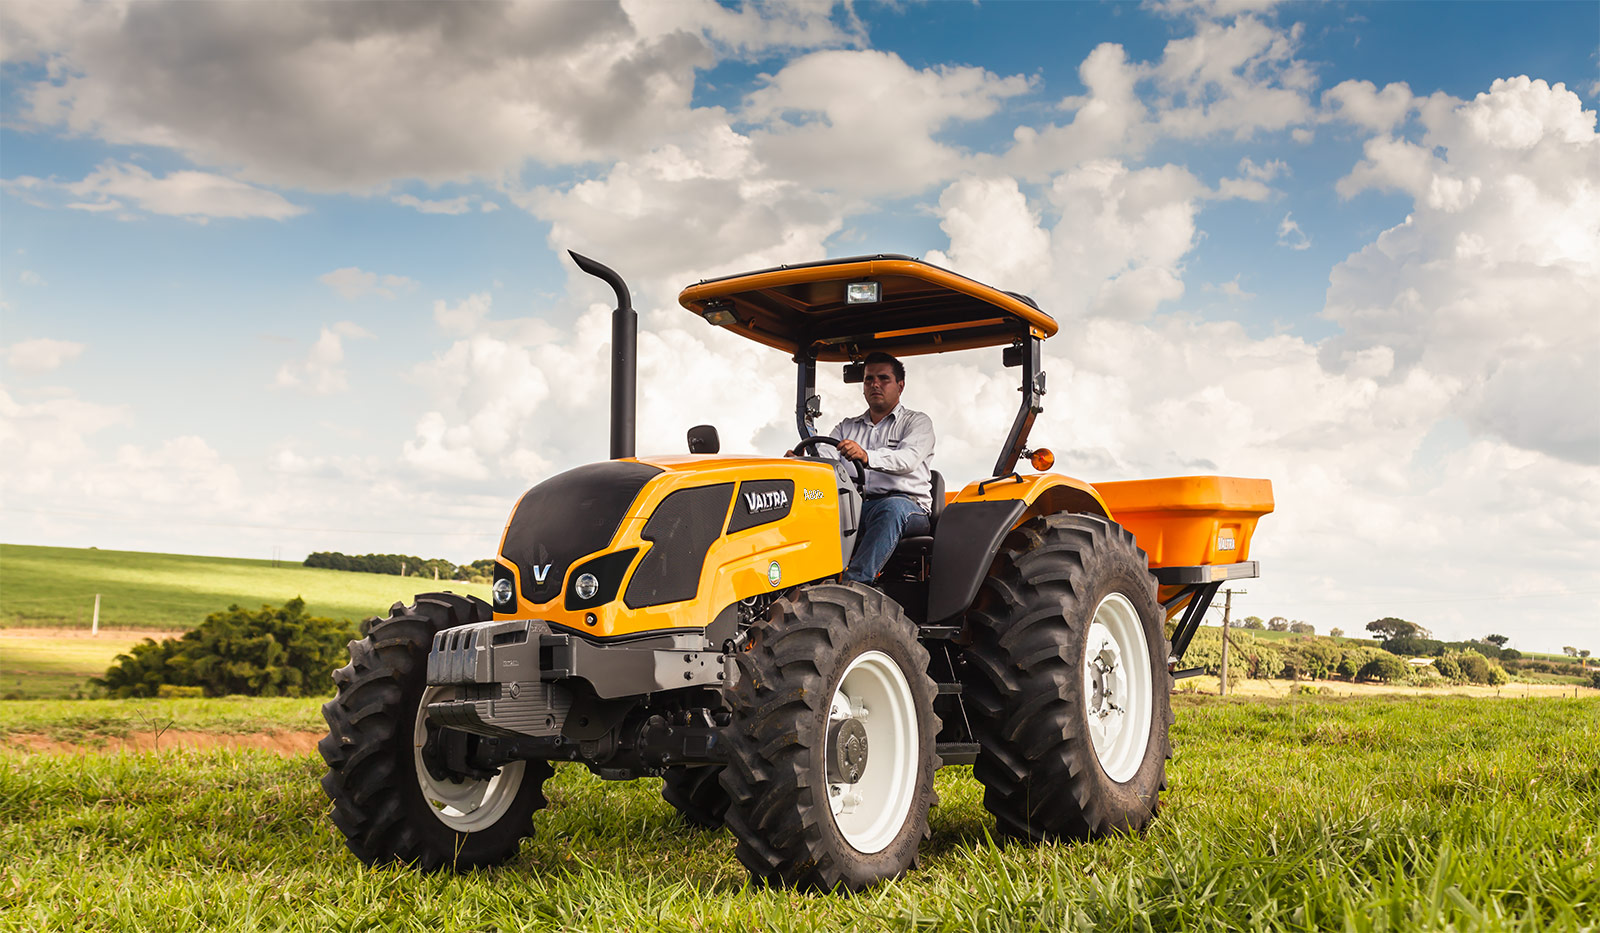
(280, 278)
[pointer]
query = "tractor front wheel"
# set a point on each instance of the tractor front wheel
(391, 805)
(1066, 682)
(831, 749)
(697, 794)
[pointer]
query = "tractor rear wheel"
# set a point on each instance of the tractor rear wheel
(1066, 682)
(831, 749)
(388, 802)
(697, 794)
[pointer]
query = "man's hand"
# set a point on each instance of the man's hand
(852, 451)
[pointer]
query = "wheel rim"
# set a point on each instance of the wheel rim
(870, 813)
(471, 805)
(1116, 687)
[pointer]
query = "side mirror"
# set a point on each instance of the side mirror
(703, 440)
(855, 373)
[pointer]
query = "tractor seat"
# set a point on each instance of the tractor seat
(923, 544)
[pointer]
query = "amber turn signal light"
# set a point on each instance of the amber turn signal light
(1042, 459)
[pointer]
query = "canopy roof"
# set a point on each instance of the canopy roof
(921, 309)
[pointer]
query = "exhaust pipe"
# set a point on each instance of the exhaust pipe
(624, 356)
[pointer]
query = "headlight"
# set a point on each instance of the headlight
(504, 599)
(586, 586)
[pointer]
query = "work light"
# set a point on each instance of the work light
(861, 293)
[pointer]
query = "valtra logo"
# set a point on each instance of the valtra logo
(766, 501)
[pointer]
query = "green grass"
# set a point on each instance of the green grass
(91, 722)
(55, 587)
(1387, 814)
(34, 668)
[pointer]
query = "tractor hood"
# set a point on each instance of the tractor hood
(567, 516)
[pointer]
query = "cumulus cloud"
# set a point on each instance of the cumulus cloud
(354, 96)
(322, 371)
(1238, 79)
(352, 282)
(685, 212)
(830, 117)
(1361, 103)
(43, 437)
(41, 355)
(196, 196)
(1494, 278)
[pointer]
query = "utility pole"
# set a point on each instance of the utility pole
(1227, 615)
(94, 627)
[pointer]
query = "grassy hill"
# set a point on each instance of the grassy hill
(51, 587)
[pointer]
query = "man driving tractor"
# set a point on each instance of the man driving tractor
(895, 444)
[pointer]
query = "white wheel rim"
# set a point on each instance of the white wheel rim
(870, 813)
(1116, 687)
(471, 805)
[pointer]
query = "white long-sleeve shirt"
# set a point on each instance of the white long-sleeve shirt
(899, 449)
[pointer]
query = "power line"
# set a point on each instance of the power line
(1549, 594)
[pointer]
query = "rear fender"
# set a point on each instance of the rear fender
(977, 520)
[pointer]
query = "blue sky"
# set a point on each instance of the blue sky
(292, 278)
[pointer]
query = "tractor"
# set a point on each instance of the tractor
(682, 617)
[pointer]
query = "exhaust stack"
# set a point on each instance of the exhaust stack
(624, 356)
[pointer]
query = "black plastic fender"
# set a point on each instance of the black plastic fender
(964, 545)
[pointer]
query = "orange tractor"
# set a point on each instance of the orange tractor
(680, 616)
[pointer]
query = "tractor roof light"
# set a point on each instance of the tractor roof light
(861, 293)
(1042, 459)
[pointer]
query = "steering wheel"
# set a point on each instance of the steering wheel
(815, 439)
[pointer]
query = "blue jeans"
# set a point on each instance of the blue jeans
(884, 522)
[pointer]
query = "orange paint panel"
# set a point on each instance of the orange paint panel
(1190, 520)
(805, 543)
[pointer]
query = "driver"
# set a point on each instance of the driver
(895, 444)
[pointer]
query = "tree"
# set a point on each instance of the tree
(1336, 632)
(1569, 651)
(1390, 627)
(1302, 628)
(1278, 624)
(1252, 622)
(1499, 641)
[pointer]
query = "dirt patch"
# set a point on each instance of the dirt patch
(284, 743)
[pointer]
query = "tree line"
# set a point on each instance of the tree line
(403, 565)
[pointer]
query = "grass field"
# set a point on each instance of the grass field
(1304, 814)
(37, 663)
(46, 587)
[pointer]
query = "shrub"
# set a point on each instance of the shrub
(1355, 658)
(266, 652)
(1205, 652)
(174, 692)
(1473, 667)
(1448, 668)
(1497, 674)
(1594, 679)
(1425, 676)
(1386, 668)
(1259, 661)
(1313, 658)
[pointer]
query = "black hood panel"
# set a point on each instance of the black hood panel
(567, 516)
